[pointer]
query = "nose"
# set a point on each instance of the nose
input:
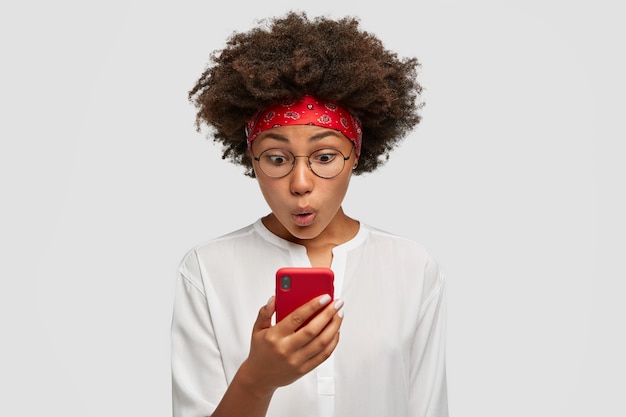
(301, 177)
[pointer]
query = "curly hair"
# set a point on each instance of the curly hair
(294, 55)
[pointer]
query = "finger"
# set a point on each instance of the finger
(314, 345)
(320, 329)
(300, 315)
(264, 318)
(320, 355)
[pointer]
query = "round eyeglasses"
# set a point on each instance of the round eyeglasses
(325, 163)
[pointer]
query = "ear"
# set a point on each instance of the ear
(252, 164)
(250, 155)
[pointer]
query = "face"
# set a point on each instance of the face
(304, 206)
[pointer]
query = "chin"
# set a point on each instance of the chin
(305, 233)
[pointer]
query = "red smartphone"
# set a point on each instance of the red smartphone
(297, 285)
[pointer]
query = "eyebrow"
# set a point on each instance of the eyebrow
(314, 138)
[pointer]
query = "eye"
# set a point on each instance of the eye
(324, 156)
(277, 157)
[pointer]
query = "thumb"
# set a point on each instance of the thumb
(264, 319)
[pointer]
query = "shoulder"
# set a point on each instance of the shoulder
(402, 253)
(236, 237)
(233, 238)
(220, 248)
(385, 241)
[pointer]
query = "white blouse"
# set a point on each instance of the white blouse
(390, 360)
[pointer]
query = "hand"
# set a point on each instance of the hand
(281, 354)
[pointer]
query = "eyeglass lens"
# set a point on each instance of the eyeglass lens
(325, 163)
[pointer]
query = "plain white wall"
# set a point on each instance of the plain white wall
(514, 180)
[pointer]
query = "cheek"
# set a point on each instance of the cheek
(330, 192)
(272, 192)
(336, 191)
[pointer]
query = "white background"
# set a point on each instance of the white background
(514, 180)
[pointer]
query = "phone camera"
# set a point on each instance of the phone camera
(285, 282)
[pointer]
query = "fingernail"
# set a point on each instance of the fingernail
(269, 301)
(338, 304)
(340, 313)
(325, 299)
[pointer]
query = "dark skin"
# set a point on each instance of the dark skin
(289, 57)
(302, 190)
(280, 355)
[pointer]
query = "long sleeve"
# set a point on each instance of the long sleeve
(428, 386)
(390, 360)
(198, 379)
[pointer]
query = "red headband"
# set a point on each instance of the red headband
(306, 111)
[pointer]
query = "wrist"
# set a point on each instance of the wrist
(252, 383)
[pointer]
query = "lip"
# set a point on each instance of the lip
(304, 216)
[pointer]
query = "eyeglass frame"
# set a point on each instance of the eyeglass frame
(308, 158)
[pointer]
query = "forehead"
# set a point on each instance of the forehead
(300, 134)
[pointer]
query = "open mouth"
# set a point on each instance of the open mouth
(304, 219)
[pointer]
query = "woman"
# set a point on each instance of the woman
(303, 104)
